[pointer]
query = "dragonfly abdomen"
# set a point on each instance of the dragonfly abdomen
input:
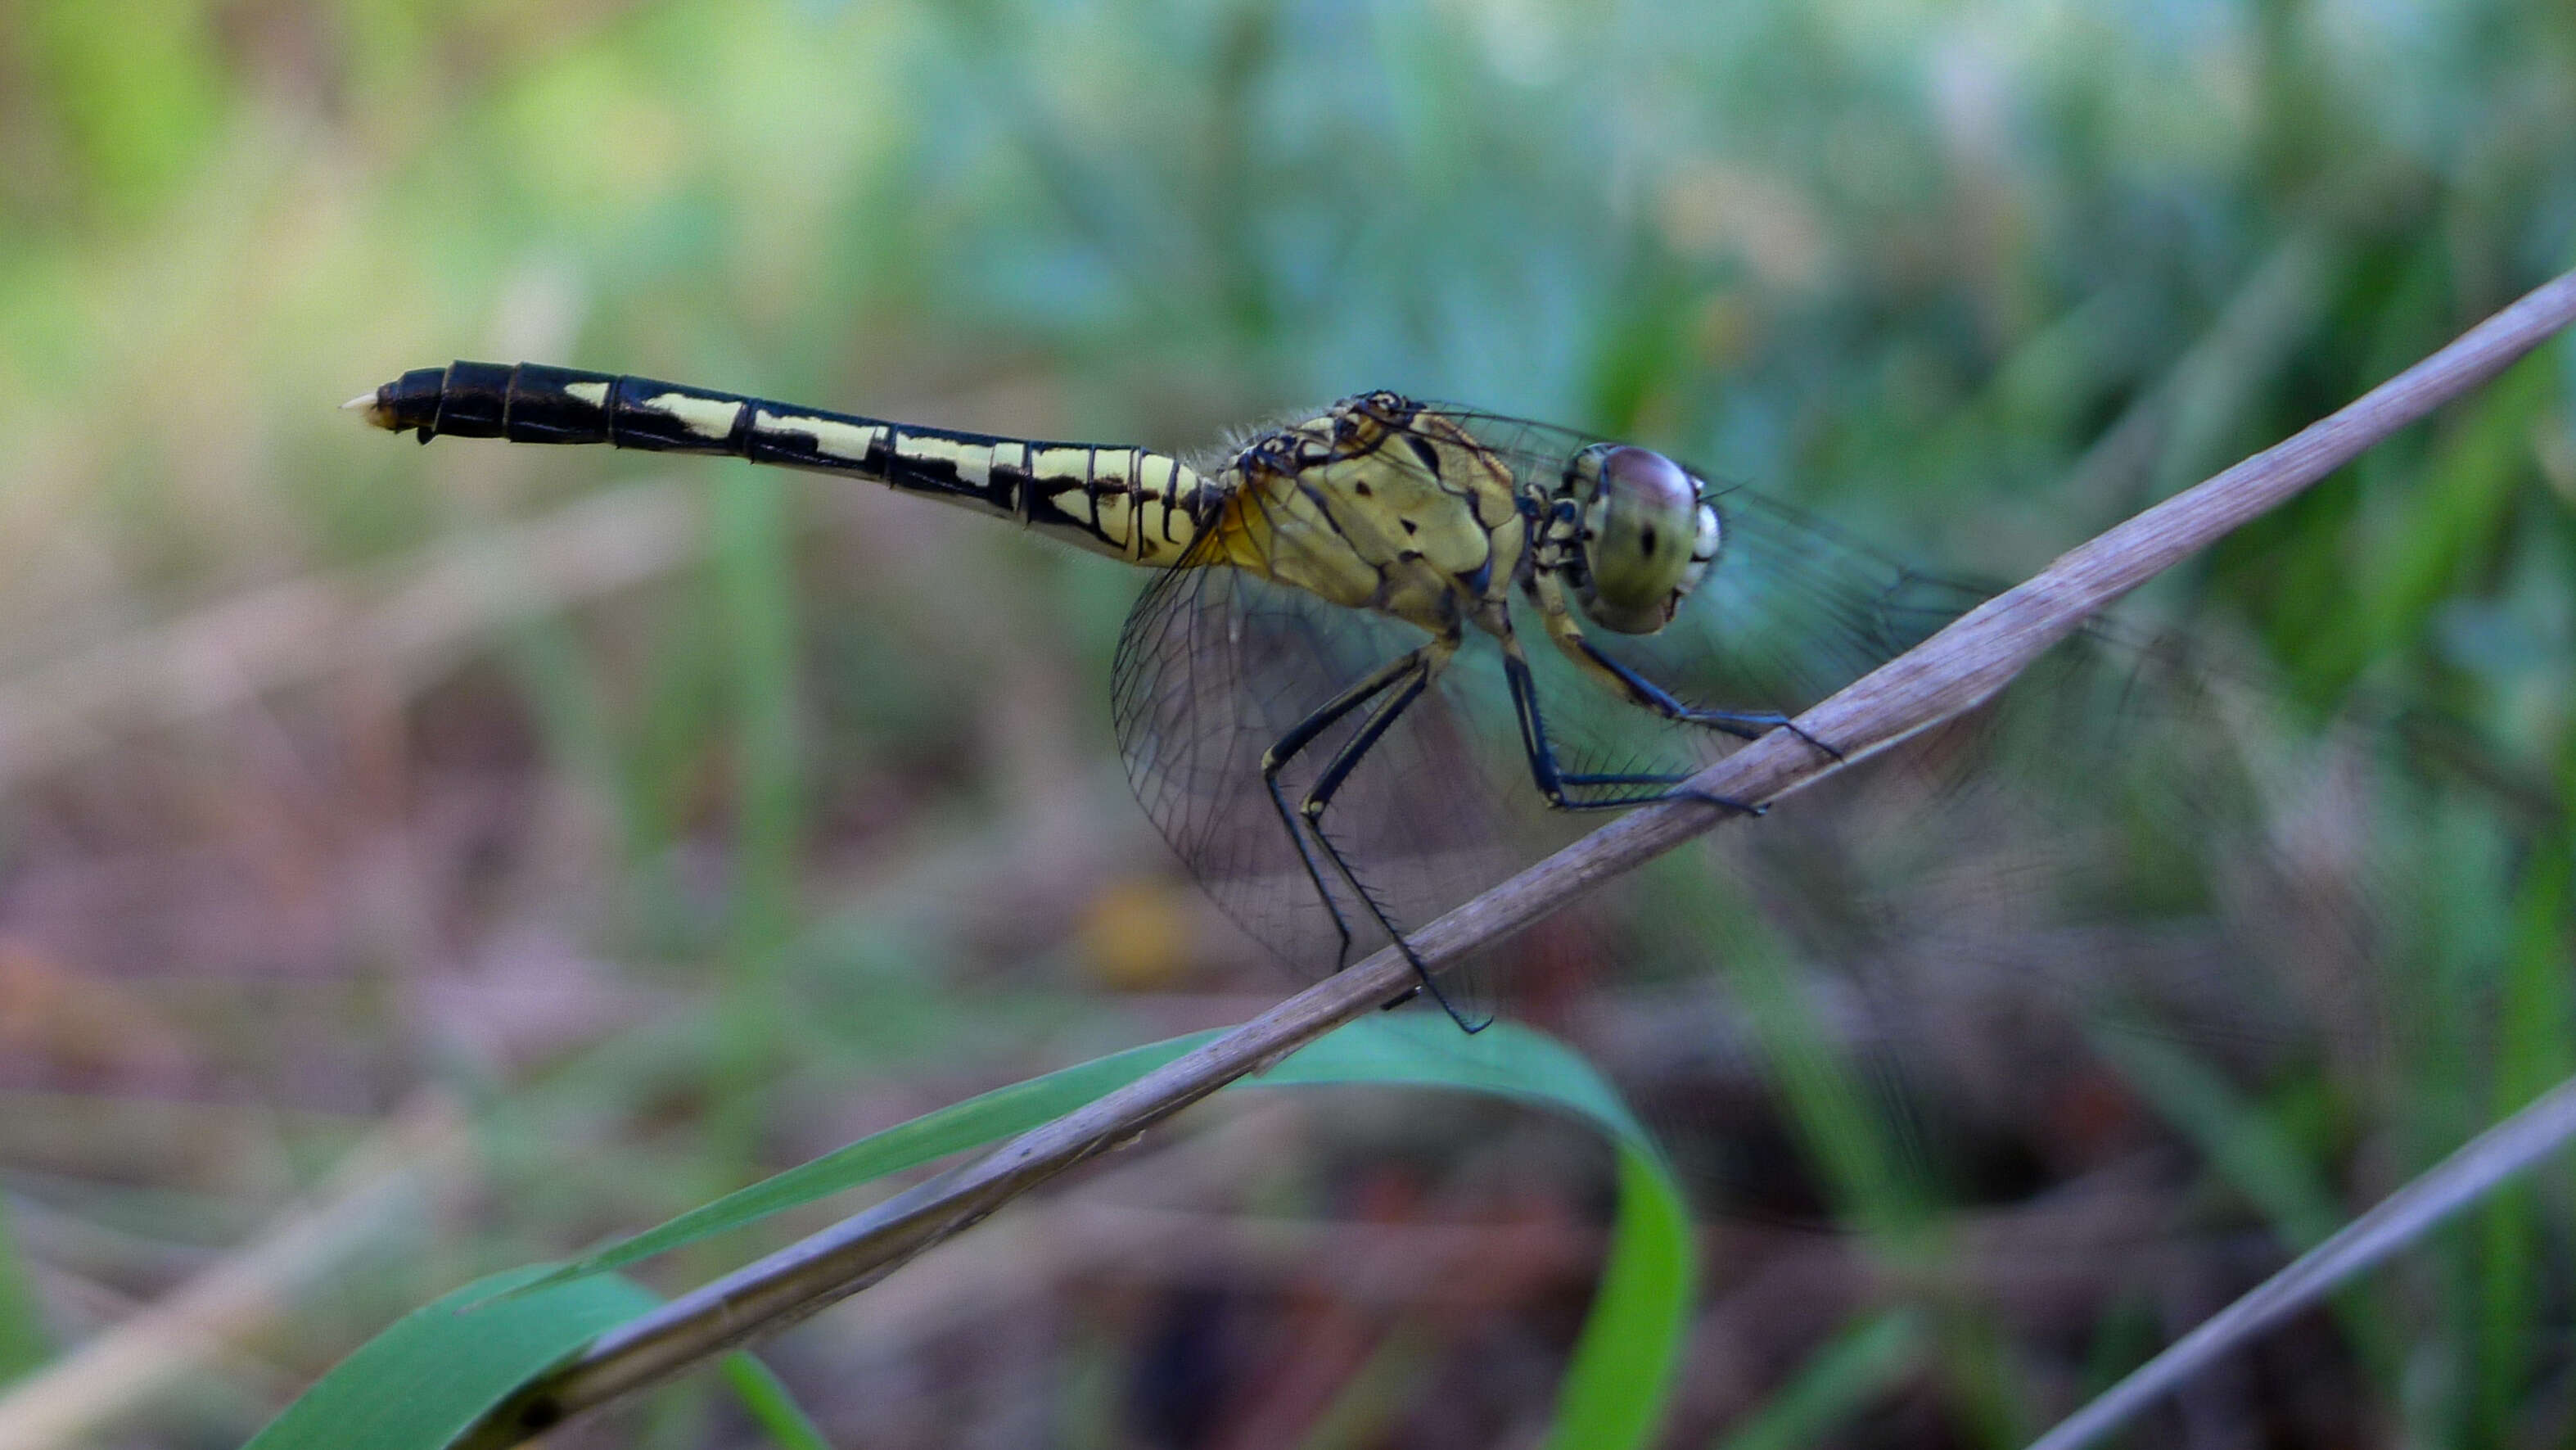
(1130, 503)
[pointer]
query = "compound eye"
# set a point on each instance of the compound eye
(1647, 539)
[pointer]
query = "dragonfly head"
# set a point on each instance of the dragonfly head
(1646, 540)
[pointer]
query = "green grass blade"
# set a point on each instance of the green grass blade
(2250, 1151)
(2536, 1018)
(754, 574)
(1622, 1371)
(1427, 1050)
(978, 1120)
(769, 1403)
(2243, 1144)
(754, 577)
(1505, 1061)
(1622, 1366)
(22, 1328)
(1365, 1409)
(426, 1380)
(1852, 1369)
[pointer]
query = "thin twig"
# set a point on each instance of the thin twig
(1952, 672)
(2543, 1127)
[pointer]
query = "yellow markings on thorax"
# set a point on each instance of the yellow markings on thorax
(1280, 533)
(849, 442)
(1393, 509)
(709, 418)
(1379, 526)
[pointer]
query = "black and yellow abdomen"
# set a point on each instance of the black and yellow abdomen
(1129, 503)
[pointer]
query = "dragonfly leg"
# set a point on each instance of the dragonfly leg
(1402, 682)
(1626, 684)
(1559, 786)
(1428, 662)
(1293, 744)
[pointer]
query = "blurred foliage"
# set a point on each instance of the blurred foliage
(804, 822)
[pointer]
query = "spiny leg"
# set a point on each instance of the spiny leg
(1626, 684)
(1555, 784)
(1427, 664)
(1294, 743)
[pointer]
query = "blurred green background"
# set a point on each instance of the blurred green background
(491, 849)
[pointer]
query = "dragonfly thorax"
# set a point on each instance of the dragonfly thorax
(1631, 533)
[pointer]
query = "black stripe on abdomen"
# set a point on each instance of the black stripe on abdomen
(534, 403)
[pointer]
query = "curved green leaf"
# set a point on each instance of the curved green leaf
(1615, 1387)
(426, 1379)
(441, 1367)
(984, 1118)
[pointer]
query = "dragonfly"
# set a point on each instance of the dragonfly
(1303, 695)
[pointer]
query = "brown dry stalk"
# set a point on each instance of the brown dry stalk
(1952, 672)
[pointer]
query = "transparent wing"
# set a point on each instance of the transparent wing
(2087, 876)
(1215, 667)
(2088, 880)
(2017, 935)
(1792, 610)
